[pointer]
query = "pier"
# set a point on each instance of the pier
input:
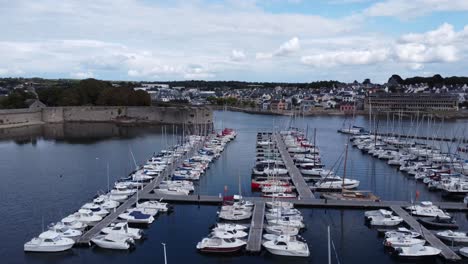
(85, 239)
(254, 243)
(302, 188)
(428, 138)
(446, 251)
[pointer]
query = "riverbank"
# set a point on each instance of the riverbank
(128, 115)
(461, 114)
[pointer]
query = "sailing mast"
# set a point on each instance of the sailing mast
(344, 167)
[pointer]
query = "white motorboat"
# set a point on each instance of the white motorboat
(463, 251)
(233, 232)
(279, 204)
(228, 226)
(427, 209)
(122, 228)
(148, 211)
(49, 241)
(113, 241)
(287, 246)
(65, 231)
(272, 216)
(403, 241)
(286, 221)
(235, 215)
(417, 251)
(282, 230)
(137, 217)
(223, 243)
(87, 217)
(162, 207)
(118, 197)
(96, 209)
(450, 235)
(105, 202)
(279, 195)
(72, 223)
(402, 231)
(172, 191)
(386, 218)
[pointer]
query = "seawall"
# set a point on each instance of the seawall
(117, 114)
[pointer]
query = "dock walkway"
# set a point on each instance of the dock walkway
(85, 239)
(447, 253)
(254, 243)
(301, 186)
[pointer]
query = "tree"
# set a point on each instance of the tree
(366, 81)
(16, 99)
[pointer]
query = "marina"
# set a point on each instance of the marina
(204, 200)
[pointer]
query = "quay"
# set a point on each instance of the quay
(311, 203)
(446, 251)
(254, 243)
(302, 188)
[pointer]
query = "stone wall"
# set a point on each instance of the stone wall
(131, 114)
(20, 116)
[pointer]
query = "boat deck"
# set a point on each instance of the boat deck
(447, 252)
(254, 243)
(301, 186)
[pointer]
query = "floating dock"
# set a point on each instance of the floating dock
(447, 252)
(301, 186)
(85, 239)
(254, 243)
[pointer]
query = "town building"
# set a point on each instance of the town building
(421, 102)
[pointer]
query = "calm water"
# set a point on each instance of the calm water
(50, 171)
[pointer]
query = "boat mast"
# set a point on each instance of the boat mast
(344, 167)
(329, 246)
(165, 256)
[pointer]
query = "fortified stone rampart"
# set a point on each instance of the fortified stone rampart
(119, 114)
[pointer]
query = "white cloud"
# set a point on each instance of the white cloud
(285, 49)
(352, 57)
(82, 75)
(411, 8)
(237, 55)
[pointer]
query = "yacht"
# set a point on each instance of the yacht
(287, 221)
(122, 228)
(233, 232)
(453, 236)
(49, 241)
(137, 217)
(105, 202)
(65, 231)
(235, 215)
(287, 246)
(279, 195)
(417, 251)
(113, 241)
(281, 230)
(427, 209)
(96, 209)
(86, 216)
(386, 218)
(220, 243)
(172, 191)
(402, 231)
(72, 223)
(157, 205)
(228, 226)
(403, 241)
(279, 204)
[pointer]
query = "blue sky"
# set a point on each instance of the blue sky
(251, 40)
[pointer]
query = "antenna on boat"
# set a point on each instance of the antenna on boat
(165, 255)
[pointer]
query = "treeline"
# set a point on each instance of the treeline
(434, 81)
(231, 101)
(16, 99)
(93, 92)
(209, 85)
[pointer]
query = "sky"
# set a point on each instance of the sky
(244, 40)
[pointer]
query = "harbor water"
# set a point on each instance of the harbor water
(49, 171)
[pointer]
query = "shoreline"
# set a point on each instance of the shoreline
(461, 114)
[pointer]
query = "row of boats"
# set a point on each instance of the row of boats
(438, 170)
(181, 181)
(409, 243)
(282, 227)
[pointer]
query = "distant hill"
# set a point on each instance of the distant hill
(436, 80)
